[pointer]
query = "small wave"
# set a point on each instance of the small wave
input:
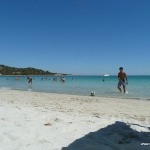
(18, 89)
(5, 88)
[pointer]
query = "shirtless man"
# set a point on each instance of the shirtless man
(123, 80)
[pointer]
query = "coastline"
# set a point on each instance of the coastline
(36, 120)
(98, 96)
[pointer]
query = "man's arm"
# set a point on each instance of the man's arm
(118, 76)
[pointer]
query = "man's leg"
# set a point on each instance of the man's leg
(119, 86)
(124, 88)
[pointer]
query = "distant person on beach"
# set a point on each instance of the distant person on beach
(123, 80)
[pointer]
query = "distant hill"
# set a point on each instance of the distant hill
(7, 70)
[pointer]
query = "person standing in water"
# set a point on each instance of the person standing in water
(29, 80)
(63, 79)
(123, 80)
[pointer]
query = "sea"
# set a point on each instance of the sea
(104, 86)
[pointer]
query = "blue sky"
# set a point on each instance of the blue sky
(76, 36)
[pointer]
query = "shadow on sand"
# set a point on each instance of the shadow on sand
(118, 136)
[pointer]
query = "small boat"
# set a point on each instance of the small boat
(105, 75)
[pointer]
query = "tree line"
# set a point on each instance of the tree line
(7, 70)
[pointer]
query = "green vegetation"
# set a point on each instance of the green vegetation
(6, 70)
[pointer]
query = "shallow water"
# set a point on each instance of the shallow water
(138, 87)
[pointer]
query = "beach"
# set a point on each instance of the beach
(47, 121)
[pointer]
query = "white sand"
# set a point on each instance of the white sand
(45, 121)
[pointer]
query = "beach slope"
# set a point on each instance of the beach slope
(46, 121)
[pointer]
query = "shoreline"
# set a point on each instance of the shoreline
(36, 120)
(124, 98)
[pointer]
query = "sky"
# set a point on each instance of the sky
(82, 37)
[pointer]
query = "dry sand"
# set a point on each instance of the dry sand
(45, 121)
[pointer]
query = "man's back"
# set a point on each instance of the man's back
(122, 75)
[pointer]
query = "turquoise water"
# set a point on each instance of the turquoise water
(138, 87)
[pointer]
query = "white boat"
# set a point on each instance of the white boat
(105, 75)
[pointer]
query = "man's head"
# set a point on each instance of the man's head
(121, 68)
